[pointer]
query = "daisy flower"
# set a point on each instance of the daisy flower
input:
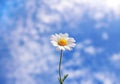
(62, 41)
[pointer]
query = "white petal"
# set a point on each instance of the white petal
(53, 36)
(54, 39)
(67, 47)
(71, 40)
(56, 35)
(72, 45)
(65, 36)
(60, 34)
(57, 48)
(61, 48)
(54, 43)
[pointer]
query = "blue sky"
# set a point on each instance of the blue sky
(27, 56)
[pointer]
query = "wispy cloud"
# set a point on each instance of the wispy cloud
(105, 36)
(115, 60)
(92, 50)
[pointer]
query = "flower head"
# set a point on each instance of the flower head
(62, 41)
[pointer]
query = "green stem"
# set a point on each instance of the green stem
(60, 79)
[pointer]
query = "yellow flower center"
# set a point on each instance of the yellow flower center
(62, 42)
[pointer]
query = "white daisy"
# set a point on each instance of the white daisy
(62, 41)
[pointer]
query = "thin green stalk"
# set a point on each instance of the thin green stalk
(60, 78)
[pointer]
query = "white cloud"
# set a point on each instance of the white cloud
(48, 18)
(100, 25)
(82, 44)
(105, 36)
(105, 78)
(115, 60)
(75, 61)
(76, 8)
(92, 50)
(113, 6)
(115, 57)
(73, 11)
(87, 47)
(87, 41)
(99, 16)
(87, 81)
(30, 56)
(73, 74)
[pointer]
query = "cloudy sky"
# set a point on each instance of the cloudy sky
(27, 56)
